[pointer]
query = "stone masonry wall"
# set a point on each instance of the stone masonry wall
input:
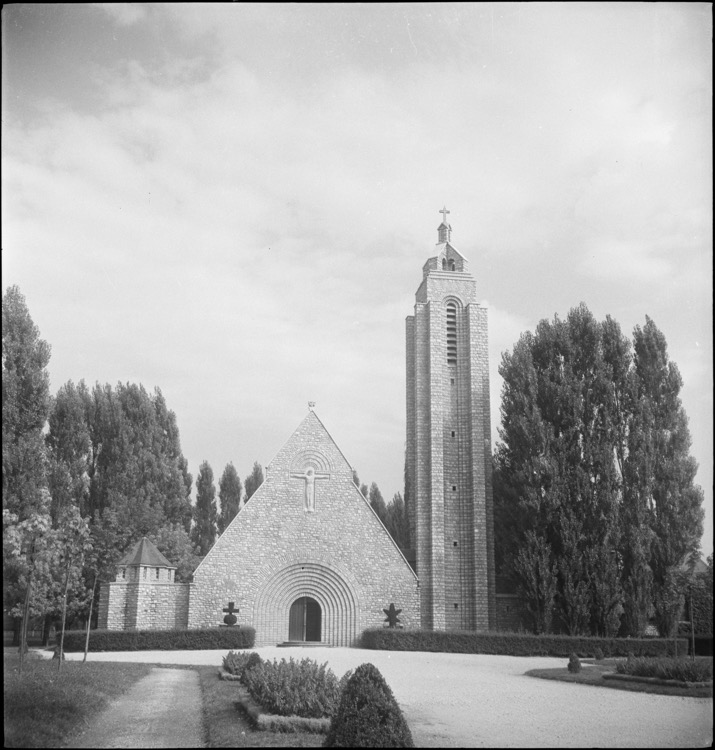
(449, 451)
(275, 551)
(143, 606)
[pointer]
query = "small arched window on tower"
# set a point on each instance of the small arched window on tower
(451, 333)
(444, 264)
(452, 267)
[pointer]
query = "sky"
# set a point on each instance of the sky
(233, 202)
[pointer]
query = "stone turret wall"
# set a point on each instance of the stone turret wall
(143, 606)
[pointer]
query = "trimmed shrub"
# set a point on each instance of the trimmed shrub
(703, 645)
(161, 640)
(291, 688)
(574, 664)
(514, 644)
(685, 670)
(238, 662)
(368, 715)
(598, 654)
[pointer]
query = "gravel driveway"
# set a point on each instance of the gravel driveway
(467, 700)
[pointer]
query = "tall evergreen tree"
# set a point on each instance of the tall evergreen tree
(203, 533)
(229, 493)
(254, 480)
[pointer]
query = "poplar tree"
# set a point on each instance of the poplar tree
(203, 533)
(396, 521)
(254, 480)
(662, 461)
(25, 496)
(25, 407)
(593, 481)
(230, 496)
(377, 502)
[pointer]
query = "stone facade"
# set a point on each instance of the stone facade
(306, 532)
(449, 446)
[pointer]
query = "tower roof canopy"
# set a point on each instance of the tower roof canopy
(144, 552)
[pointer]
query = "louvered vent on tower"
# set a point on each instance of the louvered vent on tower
(451, 333)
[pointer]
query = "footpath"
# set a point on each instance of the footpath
(163, 709)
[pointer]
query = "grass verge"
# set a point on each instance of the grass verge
(42, 707)
(229, 726)
(593, 675)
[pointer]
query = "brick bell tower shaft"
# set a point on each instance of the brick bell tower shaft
(449, 445)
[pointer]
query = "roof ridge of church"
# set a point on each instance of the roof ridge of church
(145, 552)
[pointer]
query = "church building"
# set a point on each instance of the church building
(307, 560)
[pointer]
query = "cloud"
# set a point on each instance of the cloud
(124, 14)
(244, 213)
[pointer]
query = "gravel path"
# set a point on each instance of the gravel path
(466, 700)
(163, 709)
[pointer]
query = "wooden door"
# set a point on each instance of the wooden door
(305, 620)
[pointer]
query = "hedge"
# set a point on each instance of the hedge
(160, 640)
(515, 644)
(703, 645)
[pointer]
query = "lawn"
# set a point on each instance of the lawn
(591, 674)
(42, 707)
(228, 726)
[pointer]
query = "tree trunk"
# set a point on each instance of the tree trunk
(46, 628)
(25, 616)
(89, 620)
(64, 614)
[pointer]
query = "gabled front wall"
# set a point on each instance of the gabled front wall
(275, 551)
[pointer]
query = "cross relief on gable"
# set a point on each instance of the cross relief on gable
(310, 476)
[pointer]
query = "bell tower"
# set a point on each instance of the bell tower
(451, 511)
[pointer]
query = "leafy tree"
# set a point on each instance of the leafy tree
(25, 406)
(229, 493)
(701, 591)
(667, 471)
(254, 480)
(115, 454)
(203, 533)
(121, 449)
(396, 521)
(175, 544)
(25, 496)
(590, 474)
(377, 503)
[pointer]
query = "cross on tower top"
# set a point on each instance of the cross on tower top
(444, 231)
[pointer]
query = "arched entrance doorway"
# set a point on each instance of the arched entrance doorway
(305, 620)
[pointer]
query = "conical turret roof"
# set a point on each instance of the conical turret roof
(144, 552)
